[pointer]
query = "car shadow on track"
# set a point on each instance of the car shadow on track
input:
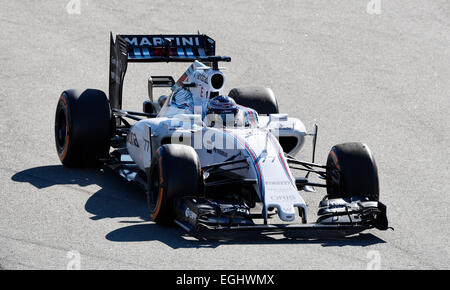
(115, 199)
(176, 238)
(120, 199)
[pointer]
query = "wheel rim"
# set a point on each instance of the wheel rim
(61, 129)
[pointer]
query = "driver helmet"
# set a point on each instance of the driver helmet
(221, 110)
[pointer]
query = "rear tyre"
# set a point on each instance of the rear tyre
(262, 100)
(175, 172)
(82, 127)
(351, 172)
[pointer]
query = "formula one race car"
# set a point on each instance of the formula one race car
(209, 162)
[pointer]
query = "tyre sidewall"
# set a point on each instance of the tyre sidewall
(179, 175)
(65, 152)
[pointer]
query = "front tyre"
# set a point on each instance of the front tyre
(82, 127)
(175, 172)
(352, 172)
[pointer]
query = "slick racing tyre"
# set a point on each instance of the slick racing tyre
(82, 127)
(175, 172)
(262, 100)
(352, 171)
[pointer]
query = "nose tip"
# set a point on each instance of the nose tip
(286, 213)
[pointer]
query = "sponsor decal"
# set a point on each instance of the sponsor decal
(282, 197)
(190, 214)
(132, 139)
(233, 208)
(188, 41)
(277, 183)
(201, 77)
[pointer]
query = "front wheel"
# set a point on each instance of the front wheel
(175, 172)
(351, 172)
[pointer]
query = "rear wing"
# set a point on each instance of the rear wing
(155, 48)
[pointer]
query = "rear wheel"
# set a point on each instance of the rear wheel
(352, 171)
(262, 100)
(82, 127)
(175, 172)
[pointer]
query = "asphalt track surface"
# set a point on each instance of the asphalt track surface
(382, 79)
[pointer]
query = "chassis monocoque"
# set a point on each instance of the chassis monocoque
(213, 178)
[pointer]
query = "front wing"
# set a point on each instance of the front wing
(222, 219)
